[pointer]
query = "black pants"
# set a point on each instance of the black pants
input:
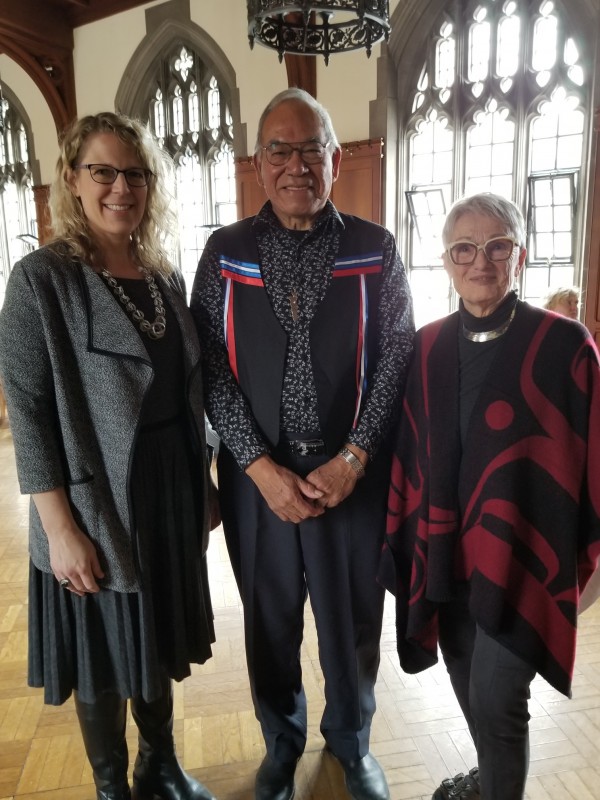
(492, 687)
(333, 559)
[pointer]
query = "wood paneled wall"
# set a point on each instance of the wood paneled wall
(40, 196)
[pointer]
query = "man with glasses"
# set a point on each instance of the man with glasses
(306, 319)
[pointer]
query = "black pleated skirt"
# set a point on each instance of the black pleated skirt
(123, 642)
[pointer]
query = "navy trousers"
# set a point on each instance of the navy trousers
(333, 559)
(492, 686)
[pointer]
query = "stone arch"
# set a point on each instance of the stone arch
(131, 95)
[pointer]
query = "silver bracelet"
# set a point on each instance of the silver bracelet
(354, 462)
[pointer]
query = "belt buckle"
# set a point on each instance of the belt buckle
(303, 448)
(306, 447)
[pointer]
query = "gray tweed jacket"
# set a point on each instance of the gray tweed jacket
(75, 378)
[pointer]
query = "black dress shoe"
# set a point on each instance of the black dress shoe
(162, 776)
(460, 787)
(365, 779)
(275, 780)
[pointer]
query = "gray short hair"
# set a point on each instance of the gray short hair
(299, 96)
(492, 205)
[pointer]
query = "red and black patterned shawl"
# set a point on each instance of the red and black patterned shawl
(518, 512)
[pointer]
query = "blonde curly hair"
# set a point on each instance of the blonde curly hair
(71, 233)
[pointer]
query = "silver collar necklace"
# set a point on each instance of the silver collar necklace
(154, 330)
(487, 336)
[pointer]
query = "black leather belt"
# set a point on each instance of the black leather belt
(305, 447)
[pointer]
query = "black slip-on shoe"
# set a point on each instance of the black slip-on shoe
(275, 780)
(460, 787)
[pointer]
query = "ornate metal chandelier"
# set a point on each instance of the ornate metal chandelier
(318, 27)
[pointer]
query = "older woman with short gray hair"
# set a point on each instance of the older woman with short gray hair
(494, 505)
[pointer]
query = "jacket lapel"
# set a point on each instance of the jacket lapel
(108, 334)
(106, 331)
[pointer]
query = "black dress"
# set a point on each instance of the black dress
(123, 642)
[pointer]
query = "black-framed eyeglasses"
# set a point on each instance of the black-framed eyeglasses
(279, 153)
(464, 253)
(104, 173)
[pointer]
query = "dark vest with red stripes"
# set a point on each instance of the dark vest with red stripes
(343, 331)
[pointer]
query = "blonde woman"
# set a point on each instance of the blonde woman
(100, 365)
(564, 301)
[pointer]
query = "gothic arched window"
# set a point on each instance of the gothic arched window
(18, 223)
(499, 104)
(191, 120)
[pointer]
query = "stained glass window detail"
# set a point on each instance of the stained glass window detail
(177, 111)
(445, 72)
(479, 47)
(508, 43)
(190, 116)
(490, 151)
(514, 113)
(18, 223)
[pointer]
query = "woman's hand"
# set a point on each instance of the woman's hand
(73, 556)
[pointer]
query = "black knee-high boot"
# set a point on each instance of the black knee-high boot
(157, 772)
(103, 729)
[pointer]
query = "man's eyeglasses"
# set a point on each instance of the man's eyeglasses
(279, 153)
(102, 173)
(463, 254)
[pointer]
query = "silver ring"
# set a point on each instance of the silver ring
(64, 583)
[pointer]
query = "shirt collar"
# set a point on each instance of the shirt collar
(267, 217)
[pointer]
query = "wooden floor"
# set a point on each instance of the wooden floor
(419, 734)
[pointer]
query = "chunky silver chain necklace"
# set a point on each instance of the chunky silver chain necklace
(487, 336)
(154, 330)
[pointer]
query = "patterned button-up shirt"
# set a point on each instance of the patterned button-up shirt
(296, 269)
